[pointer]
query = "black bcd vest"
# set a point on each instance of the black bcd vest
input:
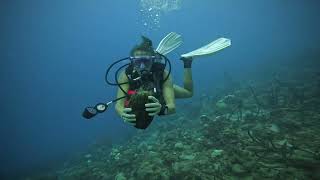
(151, 81)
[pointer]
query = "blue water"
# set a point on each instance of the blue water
(54, 55)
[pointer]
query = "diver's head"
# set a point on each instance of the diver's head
(143, 55)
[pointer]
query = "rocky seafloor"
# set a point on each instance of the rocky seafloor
(266, 129)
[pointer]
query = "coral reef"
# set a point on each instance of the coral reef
(263, 130)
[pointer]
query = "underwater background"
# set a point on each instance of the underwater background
(254, 115)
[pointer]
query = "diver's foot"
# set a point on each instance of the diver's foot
(186, 62)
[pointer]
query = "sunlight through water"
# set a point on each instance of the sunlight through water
(152, 10)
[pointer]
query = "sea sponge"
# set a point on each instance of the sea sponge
(137, 103)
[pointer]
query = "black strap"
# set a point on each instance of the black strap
(164, 108)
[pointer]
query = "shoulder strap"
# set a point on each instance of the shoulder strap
(157, 72)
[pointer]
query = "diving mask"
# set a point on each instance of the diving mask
(143, 62)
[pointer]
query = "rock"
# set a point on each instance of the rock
(238, 169)
(153, 154)
(115, 153)
(221, 104)
(116, 156)
(274, 128)
(178, 145)
(187, 157)
(216, 153)
(145, 169)
(182, 167)
(284, 142)
(204, 118)
(120, 176)
(216, 166)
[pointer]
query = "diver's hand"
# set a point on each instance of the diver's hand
(129, 118)
(153, 108)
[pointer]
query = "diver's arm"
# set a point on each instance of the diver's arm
(168, 94)
(120, 104)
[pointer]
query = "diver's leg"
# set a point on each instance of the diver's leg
(187, 90)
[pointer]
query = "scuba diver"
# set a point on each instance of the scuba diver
(145, 86)
(144, 59)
